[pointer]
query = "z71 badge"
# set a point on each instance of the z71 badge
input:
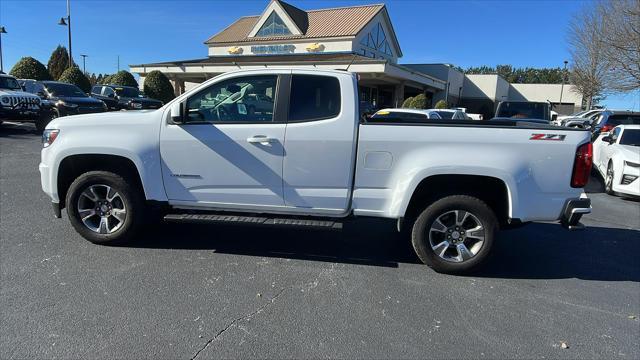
(550, 137)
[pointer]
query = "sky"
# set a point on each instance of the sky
(464, 33)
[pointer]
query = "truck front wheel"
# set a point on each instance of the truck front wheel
(104, 208)
(454, 234)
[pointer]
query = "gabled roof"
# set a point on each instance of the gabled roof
(322, 23)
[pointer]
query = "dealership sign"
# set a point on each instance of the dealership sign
(273, 49)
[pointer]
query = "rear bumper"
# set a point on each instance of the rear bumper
(573, 211)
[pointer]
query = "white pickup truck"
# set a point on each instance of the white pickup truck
(304, 158)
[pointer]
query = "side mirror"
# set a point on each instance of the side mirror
(609, 139)
(177, 113)
(111, 95)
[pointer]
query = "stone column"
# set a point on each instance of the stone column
(399, 95)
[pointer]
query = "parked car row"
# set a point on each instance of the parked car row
(27, 100)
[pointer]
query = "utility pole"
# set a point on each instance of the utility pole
(2, 31)
(84, 67)
(66, 21)
(564, 73)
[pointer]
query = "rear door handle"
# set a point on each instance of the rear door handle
(261, 139)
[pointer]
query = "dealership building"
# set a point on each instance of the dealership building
(359, 39)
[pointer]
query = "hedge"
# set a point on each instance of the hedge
(30, 68)
(158, 86)
(75, 76)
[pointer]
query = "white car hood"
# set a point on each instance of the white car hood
(109, 119)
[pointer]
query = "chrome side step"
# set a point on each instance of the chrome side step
(254, 220)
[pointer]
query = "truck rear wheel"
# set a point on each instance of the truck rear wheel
(454, 234)
(104, 208)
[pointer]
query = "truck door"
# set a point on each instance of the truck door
(320, 142)
(225, 155)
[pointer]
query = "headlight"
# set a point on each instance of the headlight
(49, 136)
(65, 104)
(135, 105)
(632, 164)
(5, 100)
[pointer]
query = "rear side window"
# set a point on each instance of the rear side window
(314, 98)
(616, 120)
(96, 90)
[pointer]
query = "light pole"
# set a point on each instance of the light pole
(84, 68)
(67, 23)
(564, 73)
(2, 31)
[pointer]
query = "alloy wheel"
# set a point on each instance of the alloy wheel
(101, 209)
(456, 236)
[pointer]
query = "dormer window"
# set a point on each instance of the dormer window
(274, 26)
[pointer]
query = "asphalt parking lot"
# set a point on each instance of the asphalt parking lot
(184, 291)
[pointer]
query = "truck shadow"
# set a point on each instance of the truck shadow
(536, 251)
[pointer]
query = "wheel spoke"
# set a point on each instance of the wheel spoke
(119, 214)
(438, 226)
(463, 252)
(86, 213)
(109, 198)
(103, 228)
(441, 248)
(476, 232)
(461, 217)
(90, 193)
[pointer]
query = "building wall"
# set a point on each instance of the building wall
(480, 87)
(571, 100)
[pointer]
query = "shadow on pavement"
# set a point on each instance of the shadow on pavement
(536, 251)
(18, 131)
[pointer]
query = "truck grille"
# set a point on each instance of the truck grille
(31, 102)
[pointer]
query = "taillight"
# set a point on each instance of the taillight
(606, 128)
(582, 165)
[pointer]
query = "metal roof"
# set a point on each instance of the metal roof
(322, 23)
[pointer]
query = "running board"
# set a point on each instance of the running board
(254, 220)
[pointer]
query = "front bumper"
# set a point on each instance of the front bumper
(8, 113)
(573, 211)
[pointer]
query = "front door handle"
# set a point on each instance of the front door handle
(260, 139)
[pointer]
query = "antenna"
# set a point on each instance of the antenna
(352, 60)
(236, 64)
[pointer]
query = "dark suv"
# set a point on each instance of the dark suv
(65, 99)
(124, 98)
(608, 119)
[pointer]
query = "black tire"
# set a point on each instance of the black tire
(131, 200)
(420, 235)
(608, 182)
(41, 122)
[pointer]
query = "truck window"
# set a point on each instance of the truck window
(523, 110)
(616, 120)
(314, 98)
(96, 90)
(247, 99)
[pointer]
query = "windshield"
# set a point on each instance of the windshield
(630, 137)
(524, 110)
(67, 90)
(9, 83)
(445, 114)
(616, 120)
(128, 92)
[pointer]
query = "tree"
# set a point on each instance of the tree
(106, 79)
(620, 37)
(521, 75)
(158, 86)
(58, 62)
(441, 104)
(589, 67)
(93, 79)
(75, 76)
(419, 102)
(30, 68)
(407, 102)
(123, 78)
